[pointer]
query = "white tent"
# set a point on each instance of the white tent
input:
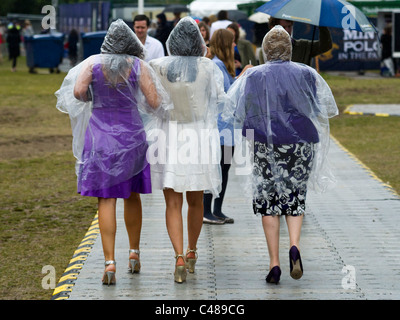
(203, 8)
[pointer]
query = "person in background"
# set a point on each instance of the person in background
(104, 96)
(13, 41)
(243, 47)
(73, 39)
(27, 31)
(387, 61)
(154, 48)
(221, 23)
(211, 19)
(290, 141)
(2, 41)
(163, 30)
(222, 53)
(206, 20)
(177, 18)
(303, 50)
(205, 32)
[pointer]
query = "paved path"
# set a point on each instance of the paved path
(382, 110)
(350, 249)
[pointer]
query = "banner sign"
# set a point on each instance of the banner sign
(84, 17)
(351, 50)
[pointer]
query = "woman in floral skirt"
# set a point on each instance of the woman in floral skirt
(286, 106)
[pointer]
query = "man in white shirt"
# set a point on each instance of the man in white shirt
(153, 47)
(221, 23)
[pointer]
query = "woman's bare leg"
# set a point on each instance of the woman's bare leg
(271, 226)
(195, 218)
(133, 221)
(173, 214)
(294, 224)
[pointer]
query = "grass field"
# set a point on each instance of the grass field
(374, 140)
(42, 219)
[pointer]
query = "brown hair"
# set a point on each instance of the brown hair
(272, 22)
(205, 26)
(235, 27)
(221, 46)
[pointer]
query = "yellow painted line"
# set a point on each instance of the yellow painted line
(347, 110)
(74, 266)
(73, 260)
(62, 291)
(358, 113)
(382, 114)
(82, 250)
(65, 287)
(71, 276)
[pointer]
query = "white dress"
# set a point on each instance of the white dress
(185, 152)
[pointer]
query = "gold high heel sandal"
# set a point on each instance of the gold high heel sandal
(134, 264)
(109, 276)
(190, 262)
(180, 271)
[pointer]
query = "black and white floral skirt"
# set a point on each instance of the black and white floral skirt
(284, 167)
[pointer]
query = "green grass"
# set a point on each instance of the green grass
(43, 220)
(374, 140)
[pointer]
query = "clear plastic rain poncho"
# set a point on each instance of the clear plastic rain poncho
(283, 105)
(189, 160)
(105, 97)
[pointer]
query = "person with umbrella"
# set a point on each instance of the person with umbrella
(318, 13)
(303, 50)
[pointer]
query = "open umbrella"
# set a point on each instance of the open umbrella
(236, 15)
(325, 13)
(259, 17)
(175, 8)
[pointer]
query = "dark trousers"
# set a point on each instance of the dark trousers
(226, 160)
(14, 61)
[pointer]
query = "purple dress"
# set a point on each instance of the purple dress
(114, 155)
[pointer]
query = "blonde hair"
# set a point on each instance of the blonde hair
(221, 46)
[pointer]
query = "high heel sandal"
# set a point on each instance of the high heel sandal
(109, 276)
(296, 267)
(134, 264)
(180, 271)
(274, 275)
(190, 262)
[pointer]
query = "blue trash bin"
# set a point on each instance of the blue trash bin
(44, 50)
(92, 42)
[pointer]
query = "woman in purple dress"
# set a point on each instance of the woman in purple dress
(286, 107)
(110, 93)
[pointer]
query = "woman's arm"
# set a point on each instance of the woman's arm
(83, 81)
(149, 88)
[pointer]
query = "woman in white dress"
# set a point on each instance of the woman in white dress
(185, 155)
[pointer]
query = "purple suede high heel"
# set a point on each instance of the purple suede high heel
(296, 267)
(274, 275)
